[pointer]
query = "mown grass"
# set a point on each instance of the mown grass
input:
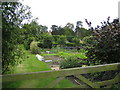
(64, 83)
(32, 64)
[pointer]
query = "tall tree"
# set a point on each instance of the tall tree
(55, 30)
(80, 31)
(43, 29)
(79, 24)
(69, 32)
(70, 26)
(13, 13)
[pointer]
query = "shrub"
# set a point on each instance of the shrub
(27, 42)
(34, 47)
(76, 41)
(61, 40)
(70, 62)
(88, 40)
(47, 41)
(107, 46)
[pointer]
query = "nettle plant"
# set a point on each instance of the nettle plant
(106, 48)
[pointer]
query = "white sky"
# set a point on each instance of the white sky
(60, 12)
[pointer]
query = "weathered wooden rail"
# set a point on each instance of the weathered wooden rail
(61, 74)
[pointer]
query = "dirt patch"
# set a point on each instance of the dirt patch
(54, 58)
(55, 62)
(55, 67)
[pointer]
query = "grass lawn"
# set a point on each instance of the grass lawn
(32, 64)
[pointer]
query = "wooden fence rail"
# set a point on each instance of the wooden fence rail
(61, 74)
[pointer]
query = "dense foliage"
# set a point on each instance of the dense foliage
(11, 20)
(102, 43)
(59, 36)
(106, 46)
(70, 62)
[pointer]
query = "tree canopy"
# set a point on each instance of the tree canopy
(13, 13)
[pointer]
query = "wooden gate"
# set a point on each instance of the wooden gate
(76, 72)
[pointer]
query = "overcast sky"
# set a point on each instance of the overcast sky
(60, 12)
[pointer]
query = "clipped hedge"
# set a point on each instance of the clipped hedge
(34, 47)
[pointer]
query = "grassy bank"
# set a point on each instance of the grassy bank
(32, 64)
